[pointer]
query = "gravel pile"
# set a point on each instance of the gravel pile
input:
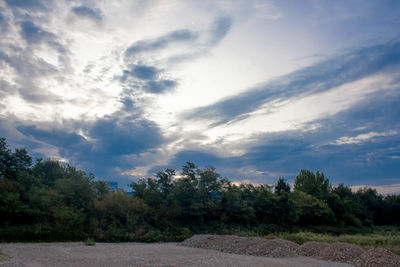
(342, 252)
(310, 249)
(378, 257)
(275, 248)
(278, 248)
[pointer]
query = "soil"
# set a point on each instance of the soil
(342, 252)
(337, 252)
(137, 254)
(199, 250)
(378, 257)
(310, 249)
(275, 248)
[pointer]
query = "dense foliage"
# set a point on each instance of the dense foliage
(47, 200)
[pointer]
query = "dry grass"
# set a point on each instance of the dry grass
(388, 240)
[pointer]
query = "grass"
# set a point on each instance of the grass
(89, 242)
(389, 240)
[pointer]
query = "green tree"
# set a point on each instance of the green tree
(208, 182)
(312, 211)
(281, 186)
(189, 170)
(165, 181)
(315, 185)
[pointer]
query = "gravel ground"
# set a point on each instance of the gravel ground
(312, 248)
(136, 254)
(274, 248)
(342, 252)
(378, 257)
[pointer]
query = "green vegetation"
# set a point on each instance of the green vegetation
(379, 238)
(90, 242)
(3, 257)
(49, 201)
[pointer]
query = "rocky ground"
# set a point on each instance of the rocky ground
(337, 252)
(200, 250)
(136, 254)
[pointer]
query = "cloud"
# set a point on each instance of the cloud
(392, 189)
(147, 79)
(116, 136)
(86, 12)
(141, 72)
(362, 137)
(32, 5)
(5, 88)
(60, 138)
(105, 146)
(265, 156)
(159, 43)
(220, 29)
(3, 23)
(33, 34)
(141, 75)
(310, 80)
(30, 69)
(157, 87)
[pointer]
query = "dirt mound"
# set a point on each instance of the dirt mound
(276, 248)
(310, 249)
(342, 252)
(378, 257)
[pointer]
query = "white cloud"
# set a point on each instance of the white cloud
(345, 140)
(381, 189)
(295, 113)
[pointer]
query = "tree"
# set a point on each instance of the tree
(189, 170)
(49, 171)
(312, 211)
(165, 180)
(281, 186)
(315, 185)
(5, 158)
(12, 162)
(208, 181)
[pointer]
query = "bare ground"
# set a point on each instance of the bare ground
(137, 254)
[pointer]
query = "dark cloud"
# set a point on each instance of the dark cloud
(146, 79)
(3, 23)
(159, 43)
(60, 138)
(111, 142)
(34, 34)
(317, 78)
(128, 136)
(157, 87)
(84, 11)
(27, 4)
(220, 29)
(143, 72)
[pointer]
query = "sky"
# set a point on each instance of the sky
(256, 88)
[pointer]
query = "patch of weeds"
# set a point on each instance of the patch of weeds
(89, 242)
(4, 257)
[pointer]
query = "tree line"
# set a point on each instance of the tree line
(44, 200)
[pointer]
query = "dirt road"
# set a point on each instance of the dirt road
(137, 254)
